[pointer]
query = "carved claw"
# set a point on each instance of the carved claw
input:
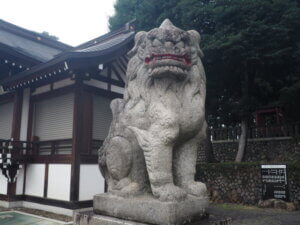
(169, 192)
(126, 188)
(196, 188)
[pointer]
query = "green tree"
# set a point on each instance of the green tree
(251, 52)
(46, 34)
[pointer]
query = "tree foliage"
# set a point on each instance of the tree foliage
(251, 47)
(46, 34)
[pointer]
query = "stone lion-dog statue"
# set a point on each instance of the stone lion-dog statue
(158, 126)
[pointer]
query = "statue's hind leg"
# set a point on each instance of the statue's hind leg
(185, 157)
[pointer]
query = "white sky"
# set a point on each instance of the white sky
(73, 21)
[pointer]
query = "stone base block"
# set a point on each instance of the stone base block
(146, 209)
(89, 218)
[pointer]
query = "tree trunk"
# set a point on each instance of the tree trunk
(242, 141)
(209, 153)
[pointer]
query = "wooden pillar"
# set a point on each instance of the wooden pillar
(17, 113)
(15, 134)
(77, 139)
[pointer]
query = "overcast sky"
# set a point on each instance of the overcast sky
(73, 21)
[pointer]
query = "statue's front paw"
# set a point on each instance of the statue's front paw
(196, 188)
(169, 192)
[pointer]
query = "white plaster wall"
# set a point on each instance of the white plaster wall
(20, 181)
(91, 182)
(63, 83)
(59, 180)
(117, 89)
(96, 83)
(42, 89)
(3, 184)
(24, 116)
(35, 175)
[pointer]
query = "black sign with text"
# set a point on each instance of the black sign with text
(274, 182)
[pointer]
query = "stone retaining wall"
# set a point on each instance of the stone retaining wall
(272, 149)
(241, 182)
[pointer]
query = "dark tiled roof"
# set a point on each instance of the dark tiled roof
(106, 44)
(30, 43)
(103, 46)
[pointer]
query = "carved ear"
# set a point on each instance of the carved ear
(138, 39)
(195, 36)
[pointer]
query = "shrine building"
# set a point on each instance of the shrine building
(55, 114)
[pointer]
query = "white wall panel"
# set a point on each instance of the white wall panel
(35, 176)
(59, 180)
(20, 181)
(53, 118)
(91, 182)
(63, 83)
(96, 83)
(102, 117)
(6, 117)
(42, 89)
(117, 89)
(3, 184)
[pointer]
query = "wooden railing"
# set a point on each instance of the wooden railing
(17, 148)
(25, 148)
(287, 130)
(54, 147)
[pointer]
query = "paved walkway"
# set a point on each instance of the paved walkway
(239, 215)
(39, 213)
(17, 218)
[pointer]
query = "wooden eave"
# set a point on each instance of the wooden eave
(18, 55)
(66, 63)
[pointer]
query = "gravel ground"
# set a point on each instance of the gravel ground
(249, 215)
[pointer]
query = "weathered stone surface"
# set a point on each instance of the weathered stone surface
(222, 178)
(90, 218)
(269, 150)
(158, 126)
(146, 209)
(290, 206)
(269, 203)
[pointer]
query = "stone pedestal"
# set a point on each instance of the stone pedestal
(147, 210)
(90, 218)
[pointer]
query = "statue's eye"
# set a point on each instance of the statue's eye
(156, 43)
(180, 44)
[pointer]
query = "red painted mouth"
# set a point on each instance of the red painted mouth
(181, 58)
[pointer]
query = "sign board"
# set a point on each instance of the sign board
(274, 182)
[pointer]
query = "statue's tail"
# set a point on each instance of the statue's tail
(116, 106)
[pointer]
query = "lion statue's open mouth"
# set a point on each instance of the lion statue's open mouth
(168, 51)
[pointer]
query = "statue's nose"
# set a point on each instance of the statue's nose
(169, 45)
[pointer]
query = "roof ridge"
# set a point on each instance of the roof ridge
(126, 28)
(34, 36)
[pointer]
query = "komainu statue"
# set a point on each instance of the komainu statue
(158, 126)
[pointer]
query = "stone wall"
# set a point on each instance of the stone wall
(241, 182)
(268, 150)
